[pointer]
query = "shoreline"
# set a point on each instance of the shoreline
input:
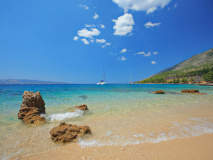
(197, 84)
(134, 121)
(191, 148)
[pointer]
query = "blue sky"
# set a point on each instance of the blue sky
(72, 40)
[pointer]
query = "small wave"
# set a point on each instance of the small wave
(67, 115)
(180, 130)
(6, 157)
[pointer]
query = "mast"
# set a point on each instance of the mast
(130, 77)
(104, 77)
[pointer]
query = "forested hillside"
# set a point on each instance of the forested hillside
(194, 70)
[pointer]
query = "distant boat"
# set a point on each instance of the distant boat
(130, 82)
(102, 82)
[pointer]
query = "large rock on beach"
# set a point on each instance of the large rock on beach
(82, 107)
(31, 108)
(190, 91)
(68, 132)
(159, 92)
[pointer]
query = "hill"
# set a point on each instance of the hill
(26, 81)
(191, 70)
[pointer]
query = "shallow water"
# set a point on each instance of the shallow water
(118, 115)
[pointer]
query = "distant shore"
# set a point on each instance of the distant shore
(199, 84)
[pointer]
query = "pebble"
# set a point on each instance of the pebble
(122, 148)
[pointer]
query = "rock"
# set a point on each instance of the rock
(68, 132)
(159, 92)
(82, 107)
(190, 91)
(31, 108)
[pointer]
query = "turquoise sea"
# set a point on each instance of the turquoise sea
(118, 115)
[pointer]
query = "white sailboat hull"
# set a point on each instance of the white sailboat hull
(101, 83)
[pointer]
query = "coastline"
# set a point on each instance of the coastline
(131, 110)
(197, 84)
(191, 148)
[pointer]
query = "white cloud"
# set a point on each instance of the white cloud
(150, 24)
(114, 54)
(85, 41)
(100, 40)
(153, 62)
(88, 33)
(147, 55)
(123, 25)
(84, 6)
(141, 53)
(175, 5)
(102, 26)
(155, 52)
(106, 44)
(142, 5)
(89, 25)
(92, 40)
(95, 16)
(123, 50)
(122, 58)
(144, 54)
(76, 38)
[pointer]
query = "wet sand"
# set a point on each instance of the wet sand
(192, 148)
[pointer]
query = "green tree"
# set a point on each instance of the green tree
(184, 80)
(208, 77)
(192, 80)
(178, 80)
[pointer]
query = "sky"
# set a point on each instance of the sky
(73, 40)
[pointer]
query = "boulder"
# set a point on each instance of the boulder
(159, 92)
(82, 107)
(190, 91)
(68, 132)
(31, 108)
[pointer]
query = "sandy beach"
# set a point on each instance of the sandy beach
(192, 148)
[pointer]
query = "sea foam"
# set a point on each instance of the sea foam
(179, 130)
(67, 115)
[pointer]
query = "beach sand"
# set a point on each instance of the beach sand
(191, 148)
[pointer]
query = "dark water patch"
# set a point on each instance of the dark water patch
(15, 94)
(83, 97)
(68, 99)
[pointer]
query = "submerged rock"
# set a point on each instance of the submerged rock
(68, 132)
(159, 92)
(82, 107)
(190, 91)
(31, 108)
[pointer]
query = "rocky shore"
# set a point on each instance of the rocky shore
(31, 108)
(30, 112)
(68, 132)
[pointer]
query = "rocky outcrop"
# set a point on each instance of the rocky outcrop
(159, 92)
(190, 91)
(68, 132)
(31, 108)
(82, 107)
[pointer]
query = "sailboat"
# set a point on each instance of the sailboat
(102, 82)
(130, 82)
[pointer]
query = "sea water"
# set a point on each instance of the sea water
(117, 115)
